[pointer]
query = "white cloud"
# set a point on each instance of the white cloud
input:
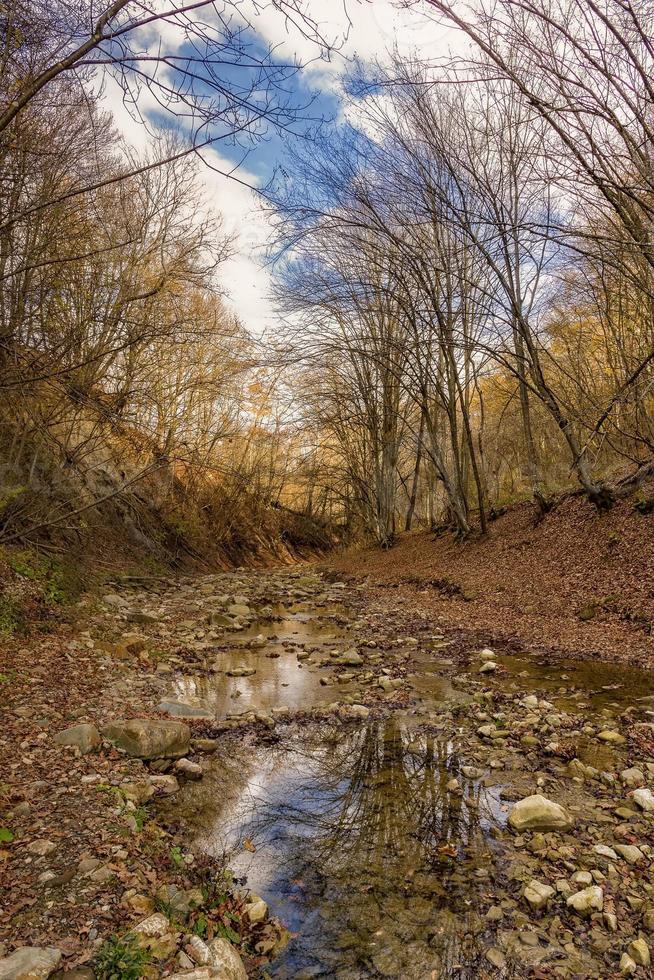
(367, 30)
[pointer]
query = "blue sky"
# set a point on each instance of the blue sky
(368, 32)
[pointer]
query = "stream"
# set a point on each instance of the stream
(381, 840)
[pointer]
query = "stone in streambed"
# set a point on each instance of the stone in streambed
(179, 709)
(639, 952)
(633, 778)
(489, 667)
(537, 894)
(611, 738)
(645, 799)
(30, 963)
(630, 853)
(587, 900)
(224, 964)
(86, 738)
(188, 769)
(143, 738)
(538, 813)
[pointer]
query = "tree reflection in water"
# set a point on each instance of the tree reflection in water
(363, 851)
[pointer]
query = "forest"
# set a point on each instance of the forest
(326, 489)
(462, 274)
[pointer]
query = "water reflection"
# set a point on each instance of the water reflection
(280, 679)
(362, 849)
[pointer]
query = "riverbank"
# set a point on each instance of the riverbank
(309, 757)
(578, 583)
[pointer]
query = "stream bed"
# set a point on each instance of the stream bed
(381, 840)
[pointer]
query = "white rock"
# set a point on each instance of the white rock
(488, 668)
(188, 769)
(537, 893)
(627, 965)
(605, 851)
(632, 777)
(256, 909)
(227, 960)
(30, 963)
(538, 813)
(630, 853)
(486, 654)
(645, 799)
(155, 925)
(587, 900)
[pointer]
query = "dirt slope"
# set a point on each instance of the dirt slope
(578, 582)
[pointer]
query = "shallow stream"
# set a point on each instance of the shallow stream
(350, 833)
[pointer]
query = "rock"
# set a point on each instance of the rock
(495, 914)
(604, 851)
(206, 745)
(30, 963)
(41, 848)
(256, 909)
(134, 642)
(137, 792)
(179, 709)
(538, 813)
(239, 609)
(630, 853)
(633, 778)
(489, 667)
(582, 878)
(146, 739)
(86, 738)
(486, 654)
(199, 973)
(225, 958)
(178, 901)
(470, 772)
(165, 784)
(627, 965)
(611, 738)
(155, 925)
(142, 618)
(587, 900)
(648, 919)
(452, 786)
(496, 957)
(610, 921)
(639, 952)
(537, 893)
(357, 711)
(351, 658)
(188, 769)
(645, 799)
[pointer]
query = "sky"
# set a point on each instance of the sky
(360, 29)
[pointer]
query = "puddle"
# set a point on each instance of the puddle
(360, 849)
(573, 684)
(280, 680)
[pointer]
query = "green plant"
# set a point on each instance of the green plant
(200, 926)
(121, 958)
(141, 816)
(176, 857)
(6, 836)
(9, 619)
(226, 932)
